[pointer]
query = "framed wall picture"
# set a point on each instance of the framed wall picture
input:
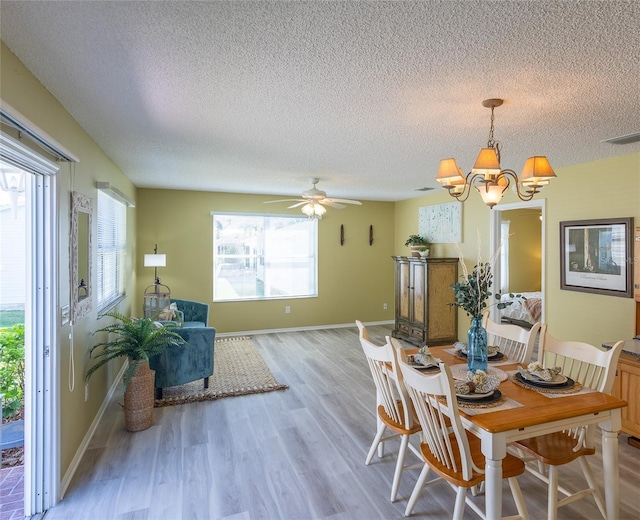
(442, 223)
(596, 256)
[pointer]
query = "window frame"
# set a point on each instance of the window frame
(107, 299)
(313, 258)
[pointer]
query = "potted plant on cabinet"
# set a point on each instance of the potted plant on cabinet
(415, 242)
(136, 339)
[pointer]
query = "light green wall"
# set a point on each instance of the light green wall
(600, 189)
(354, 280)
(20, 89)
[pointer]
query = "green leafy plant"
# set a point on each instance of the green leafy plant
(473, 292)
(417, 240)
(12, 368)
(137, 339)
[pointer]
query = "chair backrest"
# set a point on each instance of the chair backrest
(514, 341)
(593, 367)
(442, 432)
(392, 396)
(192, 310)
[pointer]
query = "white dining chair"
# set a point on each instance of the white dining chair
(594, 368)
(394, 412)
(517, 343)
(447, 448)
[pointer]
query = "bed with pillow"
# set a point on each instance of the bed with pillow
(522, 312)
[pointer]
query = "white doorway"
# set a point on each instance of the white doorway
(534, 209)
(40, 285)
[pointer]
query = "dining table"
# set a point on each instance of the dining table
(525, 412)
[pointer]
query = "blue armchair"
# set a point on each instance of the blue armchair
(179, 365)
(193, 314)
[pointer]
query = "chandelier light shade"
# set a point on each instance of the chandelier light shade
(488, 177)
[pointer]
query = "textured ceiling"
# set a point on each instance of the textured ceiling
(258, 97)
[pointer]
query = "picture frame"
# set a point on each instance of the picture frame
(596, 256)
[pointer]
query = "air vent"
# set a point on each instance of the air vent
(426, 188)
(625, 139)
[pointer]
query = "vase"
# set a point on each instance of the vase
(139, 398)
(477, 346)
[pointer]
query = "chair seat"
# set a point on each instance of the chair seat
(511, 466)
(394, 425)
(553, 448)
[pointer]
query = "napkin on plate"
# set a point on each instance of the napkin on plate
(535, 372)
(480, 383)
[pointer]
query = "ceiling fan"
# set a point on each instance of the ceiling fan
(314, 200)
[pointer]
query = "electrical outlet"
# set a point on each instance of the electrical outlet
(287, 309)
(384, 306)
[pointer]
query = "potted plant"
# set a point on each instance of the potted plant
(423, 251)
(415, 242)
(136, 339)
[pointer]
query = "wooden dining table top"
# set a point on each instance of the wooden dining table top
(536, 407)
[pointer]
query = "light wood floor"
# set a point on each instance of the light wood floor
(293, 454)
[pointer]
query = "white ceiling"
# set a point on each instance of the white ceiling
(258, 97)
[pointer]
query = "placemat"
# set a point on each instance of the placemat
(460, 372)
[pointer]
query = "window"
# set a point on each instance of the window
(264, 256)
(112, 234)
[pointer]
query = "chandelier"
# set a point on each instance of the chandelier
(489, 178)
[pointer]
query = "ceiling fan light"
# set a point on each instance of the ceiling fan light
(487, 163)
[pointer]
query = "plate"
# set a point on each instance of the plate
(418, 366)
(559, 381)
(474, 396)
(493, 396)
(494, 357)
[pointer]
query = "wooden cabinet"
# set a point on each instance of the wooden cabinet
(627, 386)
(423, 292)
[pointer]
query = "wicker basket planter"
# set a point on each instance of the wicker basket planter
(136, 339)
(139, 399)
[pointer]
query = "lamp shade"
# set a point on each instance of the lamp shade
(449, 174)
(491, 192)
(537, 171)
(155, 260)
(487, 163)
(313, 210)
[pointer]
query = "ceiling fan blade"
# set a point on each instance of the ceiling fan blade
(298, 204)
(344, 201)
(283, 200)
(331, 203)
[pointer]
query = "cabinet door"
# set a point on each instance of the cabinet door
(418, 295)
(403, 291)
(442, 318)
(627, 386)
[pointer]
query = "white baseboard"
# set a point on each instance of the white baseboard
(66, 480)
(298, 329)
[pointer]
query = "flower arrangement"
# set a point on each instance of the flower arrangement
(473, 291)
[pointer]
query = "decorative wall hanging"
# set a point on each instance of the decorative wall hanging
(442, 223)
(370, 235)
(596, 256)
(341, 234)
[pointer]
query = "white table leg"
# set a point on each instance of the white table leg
(611, 472)
(494, 448)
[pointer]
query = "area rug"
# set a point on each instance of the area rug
(238, 370)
